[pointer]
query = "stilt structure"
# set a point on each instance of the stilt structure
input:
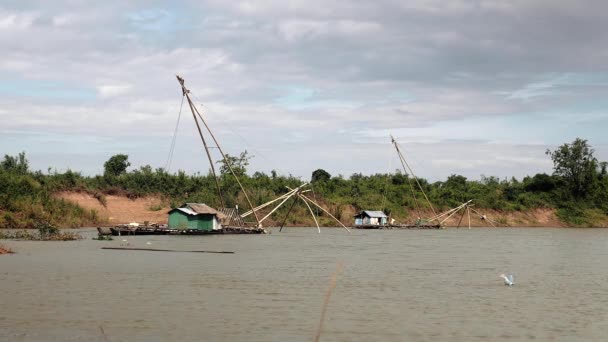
(437, 220)
(297, 193)
(197, 116)
(464, 208)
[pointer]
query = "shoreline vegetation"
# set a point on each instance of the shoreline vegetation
(575, 195)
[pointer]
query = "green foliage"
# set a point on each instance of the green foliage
(16, 165)
(320, 175)
(155, 207)
(116, 165)
(572, 214)
(26, 198)
(238, 164)
(104, 238)
(46, 232)
(45, 229)
(576, 164)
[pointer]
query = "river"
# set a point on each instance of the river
(395, 285)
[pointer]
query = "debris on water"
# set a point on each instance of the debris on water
(164, 250)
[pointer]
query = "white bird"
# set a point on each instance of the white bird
(508, 279)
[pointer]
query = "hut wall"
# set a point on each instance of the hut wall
(201, 222)
(178, 220)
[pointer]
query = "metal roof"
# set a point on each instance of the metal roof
(201, 208)
(372, 213)
(186, 210)
(197, 209)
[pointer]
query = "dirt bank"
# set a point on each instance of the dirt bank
(539, 217)
(119, 209)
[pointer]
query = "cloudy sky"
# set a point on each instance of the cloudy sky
(466, 87)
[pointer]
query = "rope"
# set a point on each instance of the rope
(387, 178)
(250, 147)
(172, 148)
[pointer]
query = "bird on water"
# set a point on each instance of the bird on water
(508, 279)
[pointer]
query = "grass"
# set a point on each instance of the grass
(46, 232)
(155, 207)
(100, 198)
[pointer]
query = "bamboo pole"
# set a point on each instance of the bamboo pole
(327, 212)
(278, 206)
(409, 181)
(262, 206)
(287, 215)
(452, 214)
(181, 80)
(482, 215)
(289, 193)
(311, 213)
(413, 175)
(186, 93)
(461, 217)
(469, 214)
(437, 217)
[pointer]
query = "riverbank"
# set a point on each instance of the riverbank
(121, 209)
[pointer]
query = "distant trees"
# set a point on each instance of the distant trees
(578, 189)
(576, 165)
(239, 164)
(541, 182)
(15, 164)
(320, 175)
(116, 165)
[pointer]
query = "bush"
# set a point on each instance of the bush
(45, 229)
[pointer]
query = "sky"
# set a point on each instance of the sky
(466, 87)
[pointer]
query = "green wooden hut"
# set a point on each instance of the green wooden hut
(195, 216)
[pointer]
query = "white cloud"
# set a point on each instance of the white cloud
(111, 90)
(16, 21)
(427, 71)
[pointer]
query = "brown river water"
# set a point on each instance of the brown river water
(396, 285)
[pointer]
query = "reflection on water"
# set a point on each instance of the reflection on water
(396, 285)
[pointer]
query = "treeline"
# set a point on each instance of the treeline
(578, 189)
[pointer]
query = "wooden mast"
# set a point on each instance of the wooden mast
(404, 162)
(194, 109)
(186, 93)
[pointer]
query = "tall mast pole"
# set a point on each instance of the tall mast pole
(186, 93)
(226, 161)
(404, 163)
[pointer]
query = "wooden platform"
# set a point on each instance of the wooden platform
(398, 226)
(151, 230)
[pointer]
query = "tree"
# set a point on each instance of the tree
(576, 165)
(541, 182)
(320, 175)
(239, 164)
(116, 165)
(18, 165)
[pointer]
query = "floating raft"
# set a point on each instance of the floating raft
(151, 230)
(398, 226)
